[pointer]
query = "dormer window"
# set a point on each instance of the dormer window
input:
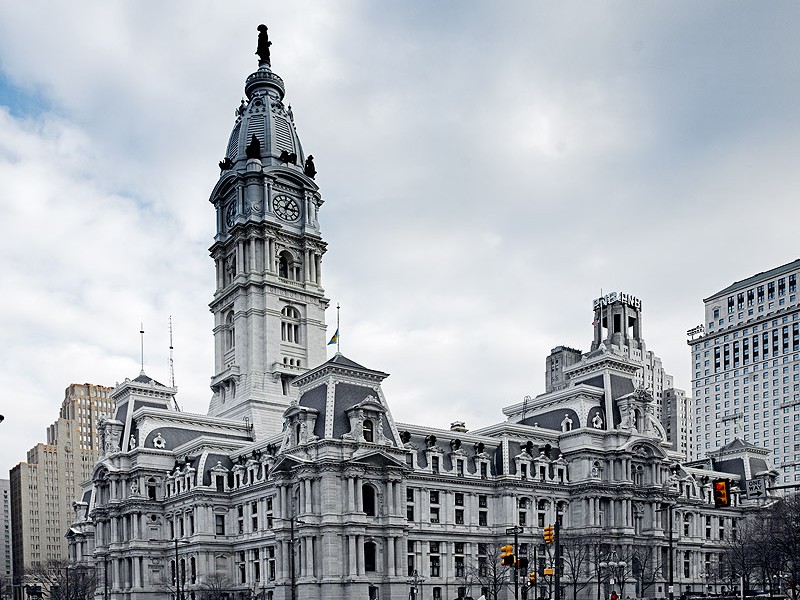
(368, 431)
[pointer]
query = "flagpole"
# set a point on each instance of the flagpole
(338, 332)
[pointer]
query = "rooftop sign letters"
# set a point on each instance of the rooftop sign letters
(613, 297)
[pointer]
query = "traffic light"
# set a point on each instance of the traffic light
(548, 535)
(721, 497)
(532, 580)
(507, 555)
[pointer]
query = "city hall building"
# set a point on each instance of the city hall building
(299, 483)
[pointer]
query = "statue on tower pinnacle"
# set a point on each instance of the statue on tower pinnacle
(263, 46)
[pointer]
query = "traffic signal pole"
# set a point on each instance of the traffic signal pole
(516, 560)
(557, 561)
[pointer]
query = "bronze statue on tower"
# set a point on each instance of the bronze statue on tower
(263, 46)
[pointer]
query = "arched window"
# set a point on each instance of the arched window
(638, 475)
(368, 499)
(370, 555)
(230, 331)
(368, 431)
(286, 267)
(290, 325)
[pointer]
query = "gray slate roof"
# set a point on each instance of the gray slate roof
(795, 264)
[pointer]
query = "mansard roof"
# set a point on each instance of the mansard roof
(144, 378)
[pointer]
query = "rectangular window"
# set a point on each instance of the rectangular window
(459, 498)
(435, 566)
(459, 516)
(219, 524)
(434, 497)
(482, 502)
(434, 514)
(483, 518)
(271, 569)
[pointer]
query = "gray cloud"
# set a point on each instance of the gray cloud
(487, 169)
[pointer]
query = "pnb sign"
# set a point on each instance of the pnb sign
(613, 297)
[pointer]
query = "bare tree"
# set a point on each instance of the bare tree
(61, 580)
(645, 567)
(490, 574)
(740, 555)
(6, 589)
(215, 587)
(576, 555)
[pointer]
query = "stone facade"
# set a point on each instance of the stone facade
(320, 494)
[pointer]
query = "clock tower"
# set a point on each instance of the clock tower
(269, 305)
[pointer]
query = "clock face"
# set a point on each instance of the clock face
(230, 214)
(286, 208)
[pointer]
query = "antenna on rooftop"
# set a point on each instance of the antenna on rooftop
(141, 332)
(171, 361)
(172, 365)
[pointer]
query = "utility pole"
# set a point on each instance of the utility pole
(177, 573)
(292, 574)
(671, 552)
(557, 561)
(516, 531)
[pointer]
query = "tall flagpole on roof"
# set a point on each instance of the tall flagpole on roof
(141, 333)
(338, 333)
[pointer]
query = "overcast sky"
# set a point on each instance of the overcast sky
(487, 168)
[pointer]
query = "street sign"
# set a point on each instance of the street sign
(514, 530)
(755, 488)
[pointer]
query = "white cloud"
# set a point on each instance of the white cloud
(487, 169)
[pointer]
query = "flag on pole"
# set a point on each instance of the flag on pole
(335, 338)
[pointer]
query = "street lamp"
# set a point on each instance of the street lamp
(616, 569)
(414, 581)
(179, 593)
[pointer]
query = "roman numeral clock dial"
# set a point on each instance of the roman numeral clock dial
(286, 208)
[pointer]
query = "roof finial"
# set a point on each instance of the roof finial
(263, 46)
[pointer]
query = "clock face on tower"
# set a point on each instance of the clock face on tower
(230, 214)
(286, 208)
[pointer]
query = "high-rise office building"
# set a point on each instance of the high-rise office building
(676, 417)
(5, 530)
(746, 368)
(44, 487)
